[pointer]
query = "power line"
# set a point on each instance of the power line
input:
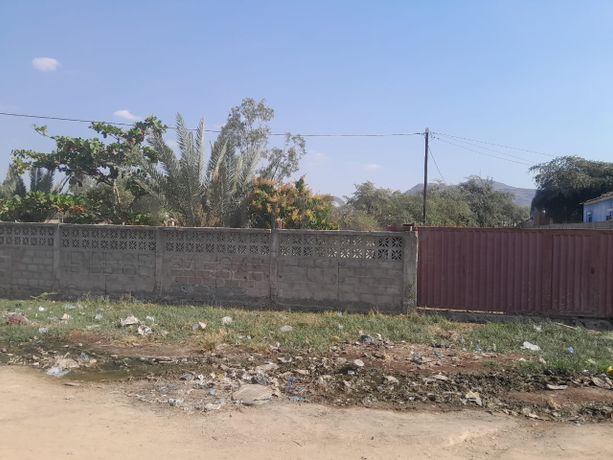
(435, 163)
(499, 152)
(470, 139)
(482, 153)
(118, 123)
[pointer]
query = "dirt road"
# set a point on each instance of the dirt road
(42, 418)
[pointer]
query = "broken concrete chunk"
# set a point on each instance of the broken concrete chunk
(129, 321)
(252, 394)
(556, 387)
(473, 396)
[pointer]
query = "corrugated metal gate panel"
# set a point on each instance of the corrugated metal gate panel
(562, 272)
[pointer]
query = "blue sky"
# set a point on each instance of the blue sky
(531, 74)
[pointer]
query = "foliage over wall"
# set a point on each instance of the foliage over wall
(289, 206)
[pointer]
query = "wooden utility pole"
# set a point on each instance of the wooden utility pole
(427, 138)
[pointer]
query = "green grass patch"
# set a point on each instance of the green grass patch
(258, 329)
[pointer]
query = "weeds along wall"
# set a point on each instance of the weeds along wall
(354, 271)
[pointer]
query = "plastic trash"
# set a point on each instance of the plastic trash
(98, 317)
(57, 371)
(570, 350)
(530, 346)
(226, 320)
(144, 330)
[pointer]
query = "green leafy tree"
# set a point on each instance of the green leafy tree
(471, 203)
(13, 184)
(564, 183)
(290, 205)
(348, 218)
(247, 130)
(116, 154)
(491, 208)
(386, 206)
(41, 207)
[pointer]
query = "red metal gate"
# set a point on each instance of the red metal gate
(517, 271)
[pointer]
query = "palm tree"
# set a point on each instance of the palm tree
(193, 191)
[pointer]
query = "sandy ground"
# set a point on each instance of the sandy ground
(42, 418)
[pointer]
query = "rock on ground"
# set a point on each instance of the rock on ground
(252, 394)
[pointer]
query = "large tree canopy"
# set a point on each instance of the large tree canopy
(563, 184)
(247, 130)
(471, 203)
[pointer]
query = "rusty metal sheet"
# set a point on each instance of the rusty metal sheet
(517, 271)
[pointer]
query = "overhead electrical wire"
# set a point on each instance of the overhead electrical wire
(474, 145)
(118, 123)
(479, 141)
(483, 153)
(435, 163)
(495, 151)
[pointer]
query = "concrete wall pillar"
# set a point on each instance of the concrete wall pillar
(409, 272)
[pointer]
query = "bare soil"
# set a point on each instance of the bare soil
(41, 417)
(396, 376)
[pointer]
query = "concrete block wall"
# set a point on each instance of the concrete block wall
(355, 271)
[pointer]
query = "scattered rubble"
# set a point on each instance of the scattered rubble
(16, 319)
(370, 371)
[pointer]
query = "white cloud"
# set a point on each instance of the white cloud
(372, 166)
(126, 115)
(45, 64)
(316, 158)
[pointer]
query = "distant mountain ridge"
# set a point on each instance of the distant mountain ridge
(521, 196)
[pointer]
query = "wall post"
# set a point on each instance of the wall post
(409, 272)
(273, 279)
(56, 257)
(159, 260)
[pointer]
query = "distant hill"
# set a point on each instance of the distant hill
(522, 196)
